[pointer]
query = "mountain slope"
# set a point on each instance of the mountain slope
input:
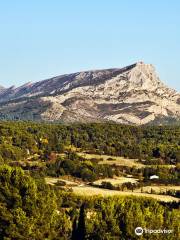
(132, 95)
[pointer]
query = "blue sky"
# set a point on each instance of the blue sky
(44, 38)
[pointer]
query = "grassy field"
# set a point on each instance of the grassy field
(53, 181)
(116, 180)
(158, 189)
(80, 188)
(107, 159)
(119, 161)
(92, 191)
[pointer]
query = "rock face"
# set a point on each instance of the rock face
(131, 95)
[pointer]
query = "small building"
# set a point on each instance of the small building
(154, 177)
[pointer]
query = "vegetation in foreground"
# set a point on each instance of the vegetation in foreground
(31, 209)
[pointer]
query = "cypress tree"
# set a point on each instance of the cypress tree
(81, 229)
(74, 230)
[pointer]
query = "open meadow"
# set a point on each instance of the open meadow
(93, 191)
(116, 180)
(112, 160)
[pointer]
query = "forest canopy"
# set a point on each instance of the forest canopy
(17, 139)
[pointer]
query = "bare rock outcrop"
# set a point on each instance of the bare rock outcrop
(131, 95)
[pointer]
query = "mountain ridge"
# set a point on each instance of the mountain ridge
(131, 95)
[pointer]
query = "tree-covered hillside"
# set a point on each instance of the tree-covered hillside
(18, 139)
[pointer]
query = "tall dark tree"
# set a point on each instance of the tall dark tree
(74, 230)
(81, 229)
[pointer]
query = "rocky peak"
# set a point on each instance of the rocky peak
(131, 95)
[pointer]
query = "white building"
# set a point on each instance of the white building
(154, 177)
